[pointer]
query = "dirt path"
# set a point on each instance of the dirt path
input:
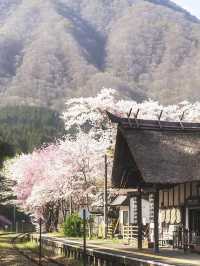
(9, 256)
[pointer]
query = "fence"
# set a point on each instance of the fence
(186, 239)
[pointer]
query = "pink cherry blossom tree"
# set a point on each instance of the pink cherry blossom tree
(52, 177)
(48, 177)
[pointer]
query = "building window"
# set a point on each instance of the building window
(125, 217)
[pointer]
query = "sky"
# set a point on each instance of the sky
(193, 6)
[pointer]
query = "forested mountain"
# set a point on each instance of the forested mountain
(55, 49)
(25, 128)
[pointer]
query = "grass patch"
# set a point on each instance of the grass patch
(95, 238)
(5, 245)
(28, 245)
(56, 234)
(5, 240)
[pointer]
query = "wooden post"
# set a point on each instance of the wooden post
(184, 232)
(139, 217)
(106, 198)
(156, 224)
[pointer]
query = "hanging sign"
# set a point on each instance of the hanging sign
(87, 213)
(151, 208)
(133, 210)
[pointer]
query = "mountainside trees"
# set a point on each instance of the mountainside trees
(6, 184)
(26, 128)
(51, 50)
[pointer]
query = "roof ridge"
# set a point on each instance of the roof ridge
(154, 124)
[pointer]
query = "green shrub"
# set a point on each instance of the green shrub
(73, 225)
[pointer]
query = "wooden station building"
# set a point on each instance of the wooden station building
(161, 159)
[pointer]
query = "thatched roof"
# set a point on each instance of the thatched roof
(151, 153)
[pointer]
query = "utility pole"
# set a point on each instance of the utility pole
(106, 198)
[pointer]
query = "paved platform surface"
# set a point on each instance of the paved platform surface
(166, 256)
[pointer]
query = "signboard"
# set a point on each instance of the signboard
(151, 207)
(133, 210)
(87, 213)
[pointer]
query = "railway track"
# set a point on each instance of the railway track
(32, 256)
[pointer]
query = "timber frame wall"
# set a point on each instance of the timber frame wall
(178, 194)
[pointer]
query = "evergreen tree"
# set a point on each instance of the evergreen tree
(26, 128)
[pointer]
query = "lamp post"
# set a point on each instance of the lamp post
(84, 215)
(84, 237)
